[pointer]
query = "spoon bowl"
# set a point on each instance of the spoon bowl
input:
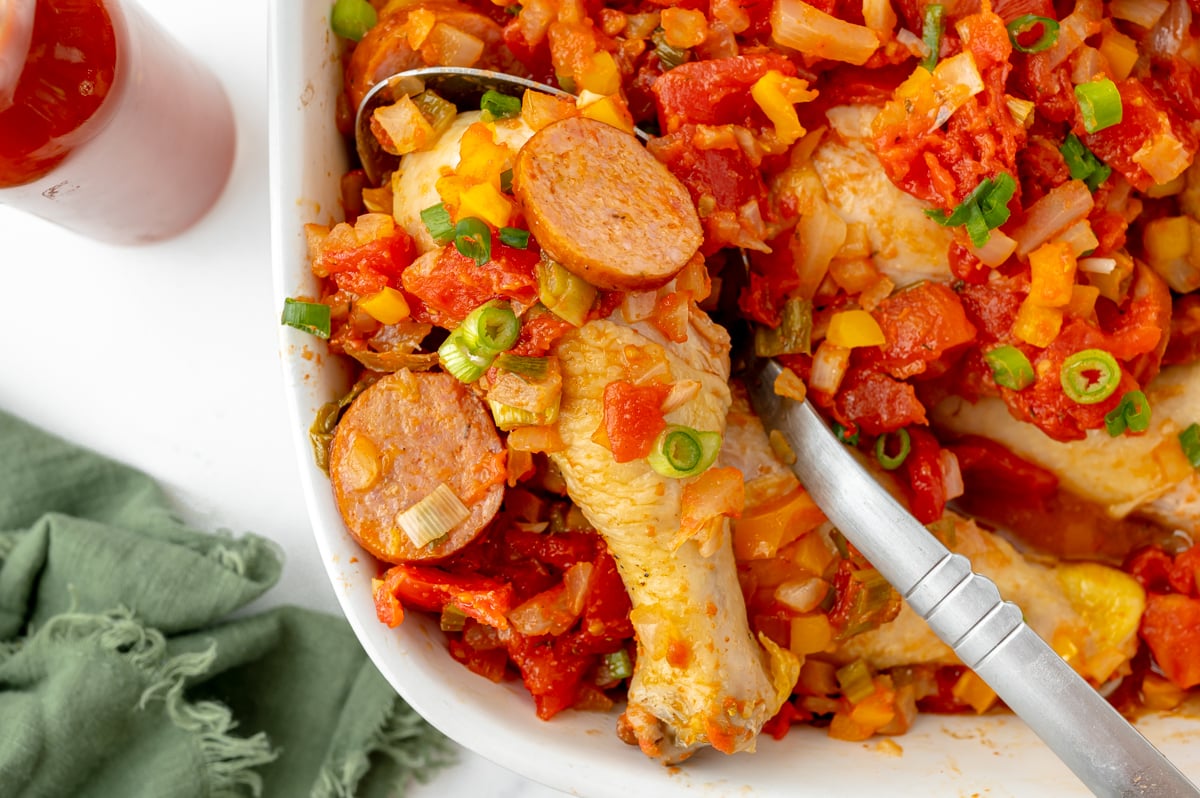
(459, 85)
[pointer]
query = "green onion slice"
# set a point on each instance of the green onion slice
(931, 34)
(565, 294)
(473, 239)
(514, 237)
(438, 222)
(1027, 22)
(351, 19)
(984, 209)
(461, 360)
(669, 56)
(1100, 104)
(1132, 414)
(613, 668)
(1090, 376)
(855, 681)
(847, 435)
(506, 178)
(1083, 164)
(681, 452)
(793, 336)
(1189, 439)
(888, 461)
(524, 365)
(1010, 367)
(311, 317)
(500, 106)
(490, 328)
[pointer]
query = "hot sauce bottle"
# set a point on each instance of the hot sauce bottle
(107, 126)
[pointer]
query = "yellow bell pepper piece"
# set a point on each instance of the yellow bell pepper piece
(481, 159)
(1111, 601)
(484, 201)
(854, 328)
(1052, 267)
(777, 95)
(811, 634)
(1036, 324)
(601, 74)
(387, 306)
(611, 110)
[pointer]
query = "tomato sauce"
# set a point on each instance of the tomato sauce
(69, 73)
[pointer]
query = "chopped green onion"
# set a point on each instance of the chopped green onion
(1189, 439)
(841, 544)
(473, 239)
(564, 293)
(460, 360)
(892, 462)
(490, 329)
(984, 209)
(681, 452)
(855, 681)
(613, 668)
(1100, 104)
(525, 365)
(437, 110)
(1133, 414)
(1083, 164)
(846, 435)
(1090, 376)
(931, 34)
(514, 237)
(1026, 23)
(669, 57)
(1010, 367)
(509, 417)
(351, 19)
(438, 222)
(506, 181)
(865, 602)
(500, 106)
(793, 336)
(311, 317)
(433, 516)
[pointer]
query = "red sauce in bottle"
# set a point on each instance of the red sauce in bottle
(68, 74)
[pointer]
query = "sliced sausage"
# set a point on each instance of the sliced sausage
(601, 205)
(400, 439)
(386, 48)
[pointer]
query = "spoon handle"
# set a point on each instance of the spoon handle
(966, 612)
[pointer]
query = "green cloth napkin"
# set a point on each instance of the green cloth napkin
(122, 674)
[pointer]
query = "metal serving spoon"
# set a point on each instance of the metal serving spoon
(459, 85)
(462, 86)
(965, 610)
(962, 608)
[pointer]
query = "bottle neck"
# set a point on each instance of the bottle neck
(16, 31)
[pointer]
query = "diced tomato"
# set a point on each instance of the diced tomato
(989, 467)
(1151, 567)
(772, 278)
(552, 673)
(491, 664)
(1171, 628)
(1143, 116)
(388, 256)
(429, 588)
(559, 549)
(943, 701)
(966, 266)
(534, 58)
(458, 285)
(605, 626)
(716, 92)
(924, 328)
(923, 478)
(723, 181)
(633, 417)
(876, 403)
(539, 330)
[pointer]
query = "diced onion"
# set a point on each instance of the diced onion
(1097, 265)
(1072, 31)
(1060, 207)
(879, 16)
(829, 367)
(433, 516)
(997, 250)
(449, 46)
(1079, 237)
(1168, 35)
(802, 595)
(681, 393)
(952, 478)
(814, 33)
(1163, 157)
(1145, 13)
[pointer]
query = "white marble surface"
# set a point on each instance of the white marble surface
(165, 356)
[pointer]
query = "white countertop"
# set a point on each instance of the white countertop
(165, 357)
